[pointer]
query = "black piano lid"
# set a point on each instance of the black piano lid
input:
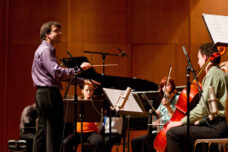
(108, 81)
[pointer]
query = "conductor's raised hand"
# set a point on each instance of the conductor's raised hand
(85, 65)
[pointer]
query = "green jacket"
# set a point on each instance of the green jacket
(219, 80)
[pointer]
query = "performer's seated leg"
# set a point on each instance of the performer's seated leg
(115, 139)
(96, 140)
(70, 141)
(73, 140)
(137, 143)
(148, 143)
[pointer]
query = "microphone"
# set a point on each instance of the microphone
(69, 54)
(212, 103)
(184, 50)
(123, 53)
(124, 98)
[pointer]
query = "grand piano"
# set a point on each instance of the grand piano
(117, 82)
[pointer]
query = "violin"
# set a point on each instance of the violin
(160, 142)
(169, 96)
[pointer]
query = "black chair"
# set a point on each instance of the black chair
(17, 145)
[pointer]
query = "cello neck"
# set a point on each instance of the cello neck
(203, 67)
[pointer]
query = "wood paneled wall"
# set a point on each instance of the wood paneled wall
(3, 38)
(150, 32)
(159, 29)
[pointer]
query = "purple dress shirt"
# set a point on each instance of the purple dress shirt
(46, 71)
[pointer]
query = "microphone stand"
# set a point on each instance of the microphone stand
(68, 86)
(75, 106)
(103, 73)
(76, 68)
(188, 70)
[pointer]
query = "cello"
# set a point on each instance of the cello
(160, 142)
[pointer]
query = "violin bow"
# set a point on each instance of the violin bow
(170, 70)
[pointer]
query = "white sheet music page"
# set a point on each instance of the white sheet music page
(130, 106)
(217, 26)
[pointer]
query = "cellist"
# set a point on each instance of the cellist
(169, 96)
(215, 77)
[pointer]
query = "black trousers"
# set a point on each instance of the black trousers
(177, 136)
(109, 142)
(95, 139)
(137, 143)
(50, 120)
(143, 143)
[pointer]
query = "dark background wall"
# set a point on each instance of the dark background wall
(150, 32)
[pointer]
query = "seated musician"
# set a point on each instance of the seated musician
(28, 125)
(90, 130)
(165, 111)
(218, 128)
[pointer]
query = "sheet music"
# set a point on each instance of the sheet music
(217, 26)
(130, 106)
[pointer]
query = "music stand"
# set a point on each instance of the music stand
(131, 107)
(87, 111)
(83, 106)
(147, 99)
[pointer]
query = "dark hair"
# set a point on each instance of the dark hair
(46, 29)
(208, 49)
(163, 83)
